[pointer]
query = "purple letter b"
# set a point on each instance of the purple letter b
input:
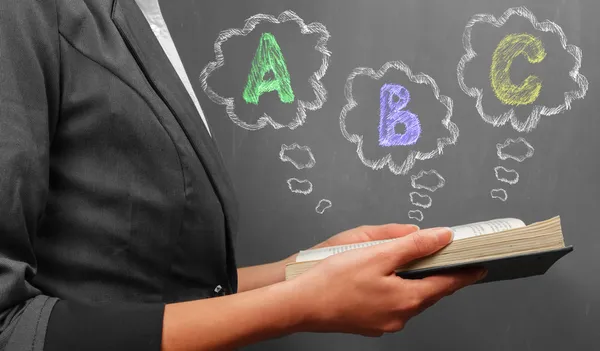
(393, 99)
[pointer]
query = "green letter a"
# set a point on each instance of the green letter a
(268, 58)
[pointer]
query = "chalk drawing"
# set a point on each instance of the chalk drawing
(509, 176)
(285, 158)
(419, 200)
(520, 158)
(413, 155)
(299, 186)
(440, 180)
(323, 205)
(268, 59)
(528, 124)
(393, 100)
(314, 80)
(499, 194)
(416, 215)
(509, 48)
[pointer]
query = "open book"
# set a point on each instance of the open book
(507, 248)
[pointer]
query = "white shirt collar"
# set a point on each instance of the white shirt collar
(151, 10)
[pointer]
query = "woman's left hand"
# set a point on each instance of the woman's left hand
(250, 278)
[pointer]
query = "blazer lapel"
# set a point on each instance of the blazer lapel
(134, 28)
(146, 49)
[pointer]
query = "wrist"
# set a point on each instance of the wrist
(298, 305)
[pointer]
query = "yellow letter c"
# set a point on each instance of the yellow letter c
(509, 48)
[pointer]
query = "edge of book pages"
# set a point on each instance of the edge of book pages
(456, 248)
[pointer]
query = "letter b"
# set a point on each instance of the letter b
(393, 99)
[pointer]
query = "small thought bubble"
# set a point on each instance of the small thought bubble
(509, 142)
(417, 181)
(416, 215)
(285, 157)
(506, 175)
(499, 194)
(419, 200)
(299, 186)
(323, 205)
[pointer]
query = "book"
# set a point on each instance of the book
(506, 247)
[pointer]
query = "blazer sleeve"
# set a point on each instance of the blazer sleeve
(29, 113)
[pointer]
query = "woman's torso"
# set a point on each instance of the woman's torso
(140, 207)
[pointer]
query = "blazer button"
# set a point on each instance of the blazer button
(219, 291)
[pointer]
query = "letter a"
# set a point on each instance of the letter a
(268, 58)
(509, 48)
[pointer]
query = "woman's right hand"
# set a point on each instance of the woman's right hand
(358, 292)
(352, 292)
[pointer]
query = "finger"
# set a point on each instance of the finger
(369, 233)
(437, 286)
(412, 246)
(388, 231)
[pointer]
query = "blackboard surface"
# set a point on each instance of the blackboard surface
(556, 159)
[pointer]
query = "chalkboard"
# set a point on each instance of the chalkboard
(465, 110)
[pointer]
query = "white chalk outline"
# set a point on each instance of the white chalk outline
(323, 201)
(537, 110)
(422, 173)
(506, 180)
(421, 196)
(414, 155)
(494, 195)
(416, 215)
(314, 79)
(285, 158)
(300, 181)
(503, 156)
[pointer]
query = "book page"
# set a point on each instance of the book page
(486, 227)
(460, 232)
(320, 254)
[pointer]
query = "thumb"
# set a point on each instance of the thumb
(413, 246)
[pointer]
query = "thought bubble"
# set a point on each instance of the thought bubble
(285, 157)
(506, 175)
(323, 205)
(503, 155)
(268, 58)
(416, 215)
(526, 92)
(388, 137)
(499, 194)
(299, 186)
(420, 200)
(416, 180)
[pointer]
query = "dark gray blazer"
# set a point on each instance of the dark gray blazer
(113, 197)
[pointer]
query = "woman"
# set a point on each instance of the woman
(117, 216)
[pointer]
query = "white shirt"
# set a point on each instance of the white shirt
(151, 10)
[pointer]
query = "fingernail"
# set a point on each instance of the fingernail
(451, 233)
(416, 227)
(444, 235)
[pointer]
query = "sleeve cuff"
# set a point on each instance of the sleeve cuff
(115, 327)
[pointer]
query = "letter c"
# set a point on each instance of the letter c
(509, 48)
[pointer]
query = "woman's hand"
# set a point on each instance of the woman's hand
(255, 277)
(358, 291)
(352, 292)
(369, 233)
